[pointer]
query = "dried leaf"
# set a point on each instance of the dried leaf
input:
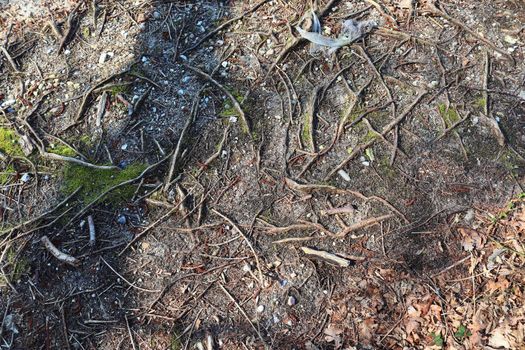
(471, 239)
(498, 338)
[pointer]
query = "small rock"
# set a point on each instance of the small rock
(124, 147)
(121, 219)
(224, 64)
(291, 301)
(511, 40)
(233, 119)
(25, 178)
(344, 175)
(433, 84)
(270, 52)
(260, 308)
(156, 14)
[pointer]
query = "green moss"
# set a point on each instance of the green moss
(5, 175)
(118, 89)
(306, 134)
(450, 115)
(20, 265)
(86, 32)
(481, 102)
(175, 343)
(386, 169)
(370, 135)
(96, 181)
(62, 150)
(228, 110)
(9, 143)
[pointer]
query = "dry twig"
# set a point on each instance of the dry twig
(66, 258)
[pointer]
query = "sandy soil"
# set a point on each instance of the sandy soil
(282, 199)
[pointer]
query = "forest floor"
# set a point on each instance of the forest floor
(192, 175)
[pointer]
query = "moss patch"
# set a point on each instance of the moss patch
(96, 181)
(228, 110)
(5, 175)
(481, 102)
(306, 134)
(62, 150)
(450, 115)
(9, 143)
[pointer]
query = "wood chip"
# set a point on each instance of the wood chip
(327, 257)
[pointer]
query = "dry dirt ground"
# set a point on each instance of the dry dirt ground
(247, 192)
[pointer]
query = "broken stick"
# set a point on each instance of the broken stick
(327, 257)
(68, 259)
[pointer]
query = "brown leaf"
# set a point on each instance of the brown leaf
(499, 284)
(471, 239)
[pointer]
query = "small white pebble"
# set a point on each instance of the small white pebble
(260, 308)
(344, 175)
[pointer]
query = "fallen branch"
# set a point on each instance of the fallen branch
(68, 259)
(302, 225)
(10, 59)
